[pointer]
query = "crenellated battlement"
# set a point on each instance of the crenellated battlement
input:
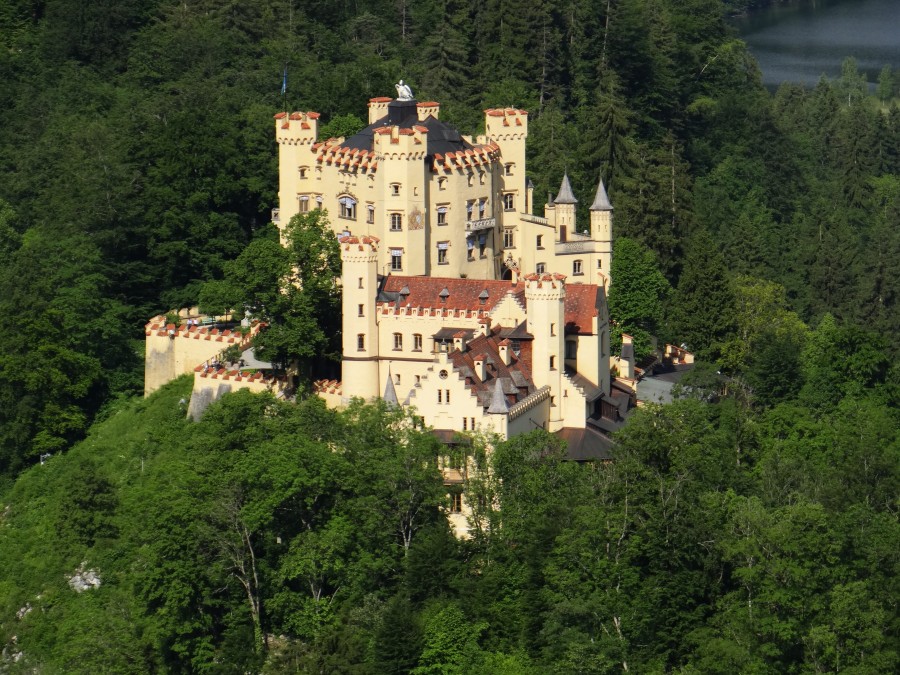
(480, 155)
(296, 128)
(506, 123)
(362, 249)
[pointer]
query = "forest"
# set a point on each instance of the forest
(751, 526)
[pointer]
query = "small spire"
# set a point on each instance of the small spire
(499, 405)
(390, 394)
(565, 196)
(601, 201)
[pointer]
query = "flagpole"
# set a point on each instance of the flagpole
(284, 89)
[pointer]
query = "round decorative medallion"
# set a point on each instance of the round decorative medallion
(443, 374)
(415, 220)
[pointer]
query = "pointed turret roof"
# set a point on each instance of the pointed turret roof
(565, 195)
(601, 201)
(498, 401)
(390, 394)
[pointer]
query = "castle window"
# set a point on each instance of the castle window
(442, 252)
(370, 215)
(539, 268)
(442, 215)
(396, 222)
(552, 329)
(552, 363)
(304, 203)
(470, 247)
(397, 378)
(302, 171)
(509, 240)
(539, 242)
(395, 189)
(417, 342)
(508, 169)
(482, 242)
(577, 269)
(482, 206)
(362, 310)
(599, 264)
(318, 201)
(348, 208)
(470, 206)
(470, 179)
(398, 342)
(360, 342)
(361, 282)
(440, 395)
(509, 202)
(456, 502)
(442, 183)
(396, 259)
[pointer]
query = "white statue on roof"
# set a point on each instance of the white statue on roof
(404, 93)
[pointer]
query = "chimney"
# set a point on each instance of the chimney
(480, 370)
(505, 352)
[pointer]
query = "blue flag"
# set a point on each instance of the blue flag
(284, 82)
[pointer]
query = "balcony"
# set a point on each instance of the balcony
(537, 220)
(579, 243)
(482, 224)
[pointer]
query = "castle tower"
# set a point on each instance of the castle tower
(359, 369)
(545, 297)
(403, 187)
(508, 128)
(295, 134)
(601, 229)
(564, 209)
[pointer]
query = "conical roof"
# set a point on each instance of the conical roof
(498, 401)
(390, 394)
(565, 196)
(601, 201)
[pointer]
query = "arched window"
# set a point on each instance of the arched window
(348, 207)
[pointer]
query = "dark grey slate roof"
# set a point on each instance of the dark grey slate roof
(390, 393)
(442, 137)
(565, 196)
(601, 201)
(498, 400)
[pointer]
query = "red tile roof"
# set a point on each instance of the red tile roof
(581, 305)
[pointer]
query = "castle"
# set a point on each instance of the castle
(456, 300)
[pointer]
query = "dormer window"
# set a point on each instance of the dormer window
(395, 189)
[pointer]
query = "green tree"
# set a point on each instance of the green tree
(637, 293)
(702, 310)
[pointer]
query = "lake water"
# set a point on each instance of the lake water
(799, 41)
